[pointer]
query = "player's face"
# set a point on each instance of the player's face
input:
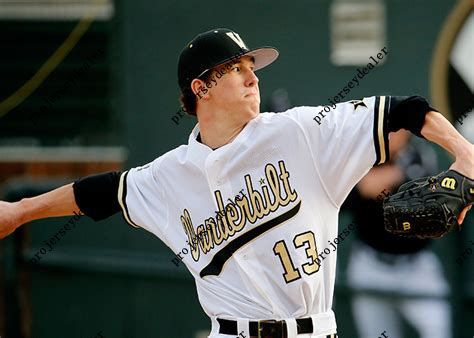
(237, 93)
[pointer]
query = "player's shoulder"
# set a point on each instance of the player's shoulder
(173, 156)
(168, 159)
(285, 116)
(327, 117)
(269, 116)
(297, 116)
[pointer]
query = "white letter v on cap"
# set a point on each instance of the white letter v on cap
(237, 39)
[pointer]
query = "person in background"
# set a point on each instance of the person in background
(396, 265)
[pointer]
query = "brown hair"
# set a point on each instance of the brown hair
(188, 99)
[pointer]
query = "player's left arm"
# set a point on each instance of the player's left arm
(415, 114)
(439, 130)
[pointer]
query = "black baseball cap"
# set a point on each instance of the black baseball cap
(215, 47)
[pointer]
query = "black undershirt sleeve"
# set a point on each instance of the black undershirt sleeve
(407, 112)
(97, 195)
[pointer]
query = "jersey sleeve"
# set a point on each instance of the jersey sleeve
(141, 199)
(346, 140)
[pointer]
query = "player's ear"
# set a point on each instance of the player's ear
(199, 89)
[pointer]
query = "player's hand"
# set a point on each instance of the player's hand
(463, 213)
(10, 218)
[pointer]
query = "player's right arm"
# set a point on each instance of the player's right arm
(56, 203)
(94, 196)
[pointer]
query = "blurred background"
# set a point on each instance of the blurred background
(90, 86)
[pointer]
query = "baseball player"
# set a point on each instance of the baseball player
(258, 259)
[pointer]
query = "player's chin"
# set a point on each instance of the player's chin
(254, 110)
(254, 105)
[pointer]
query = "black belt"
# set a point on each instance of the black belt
(267, 328)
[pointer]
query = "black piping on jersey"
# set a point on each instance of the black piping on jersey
(381, 109)
(214, 268)
(122, 196)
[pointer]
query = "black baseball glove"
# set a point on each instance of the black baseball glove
(428, 207)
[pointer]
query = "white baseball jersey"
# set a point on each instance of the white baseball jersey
(261, 209)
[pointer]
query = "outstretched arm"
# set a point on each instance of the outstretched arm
(56, 203)
(95, 196)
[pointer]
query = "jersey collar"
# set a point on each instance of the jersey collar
(198, 152)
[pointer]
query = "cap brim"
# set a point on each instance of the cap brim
(263, 56)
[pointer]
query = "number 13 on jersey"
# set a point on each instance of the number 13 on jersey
(306, 240)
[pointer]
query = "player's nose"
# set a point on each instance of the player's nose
(252, 79)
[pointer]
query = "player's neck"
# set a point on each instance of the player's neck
(217, 136)
(216, 133)
(219, 127)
